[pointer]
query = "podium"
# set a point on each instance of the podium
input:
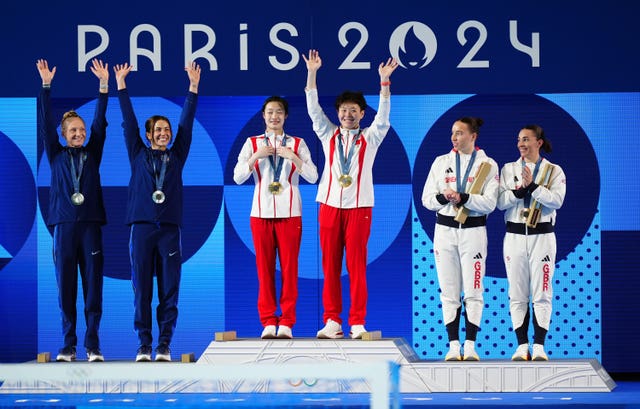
(306, 365)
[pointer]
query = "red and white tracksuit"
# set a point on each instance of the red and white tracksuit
(345, 212)
(276, 223)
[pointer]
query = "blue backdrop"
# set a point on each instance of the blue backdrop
(568, 67)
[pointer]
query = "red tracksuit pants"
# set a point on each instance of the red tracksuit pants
(344, 231)
(281, 235)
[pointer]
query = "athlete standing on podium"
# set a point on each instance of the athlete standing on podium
(154, 212)
(276, 160)
(345, 193)
(460, 249)
(76, 209)
(530, 252)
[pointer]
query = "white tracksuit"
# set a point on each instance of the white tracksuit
(530, 254)
(460, 252)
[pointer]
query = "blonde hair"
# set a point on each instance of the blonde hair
(68, 115)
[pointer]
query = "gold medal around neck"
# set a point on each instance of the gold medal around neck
(77, 198)
(158, 196)
(275, 188)
(345, 180)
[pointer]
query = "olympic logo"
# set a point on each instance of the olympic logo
(421, 33)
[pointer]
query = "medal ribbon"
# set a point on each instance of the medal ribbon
(163, 170)
(277, 168)
(82, 157)
(527, 196)
(461, 185)
(345, 164)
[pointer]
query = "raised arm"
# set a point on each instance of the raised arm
(385, 70)
(183, 137)
(121, 71)
(47, 130)
(45, 73)
(101, 71)
(130, 122)
(99, 124)
(313, 63)
(193, 72)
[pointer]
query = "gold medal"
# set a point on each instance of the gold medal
(77, 198)
(275, 188)
(345, 180)
(158, 196)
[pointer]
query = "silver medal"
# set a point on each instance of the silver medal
(158, 196)
(77, 198)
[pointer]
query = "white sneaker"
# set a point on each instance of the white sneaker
(538, 353)
(94, 355)
(269, 332)
(331, 330)
(143, 354)
(470, 353)
(67, 354)
(284, 332)
(357, 331)
(163, 353)
(522, 353)
(454, 351)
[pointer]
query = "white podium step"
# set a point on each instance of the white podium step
(416, 376)
(306, 366)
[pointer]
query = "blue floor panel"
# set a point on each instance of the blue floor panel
(626, 395)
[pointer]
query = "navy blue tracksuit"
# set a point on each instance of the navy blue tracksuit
(77, 237)
(155, 243)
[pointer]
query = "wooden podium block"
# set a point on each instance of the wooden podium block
(372, 336)
(225, 336)
(188, 358)
(44, 357)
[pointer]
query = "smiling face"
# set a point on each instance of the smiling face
(529, 145)
(462, 138)
(74, 131)
(350, 114)
(274, 115)
(160, 134)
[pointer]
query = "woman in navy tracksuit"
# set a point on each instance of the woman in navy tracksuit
(76, 209)
(154, 212)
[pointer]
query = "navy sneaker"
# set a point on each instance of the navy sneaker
(163, 353)
(144, 354)
(67, 354)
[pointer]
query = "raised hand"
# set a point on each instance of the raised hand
(100, 70)
(45, 73)
(121, 71)
(193, 71)
(314, 62)
(385, 69)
